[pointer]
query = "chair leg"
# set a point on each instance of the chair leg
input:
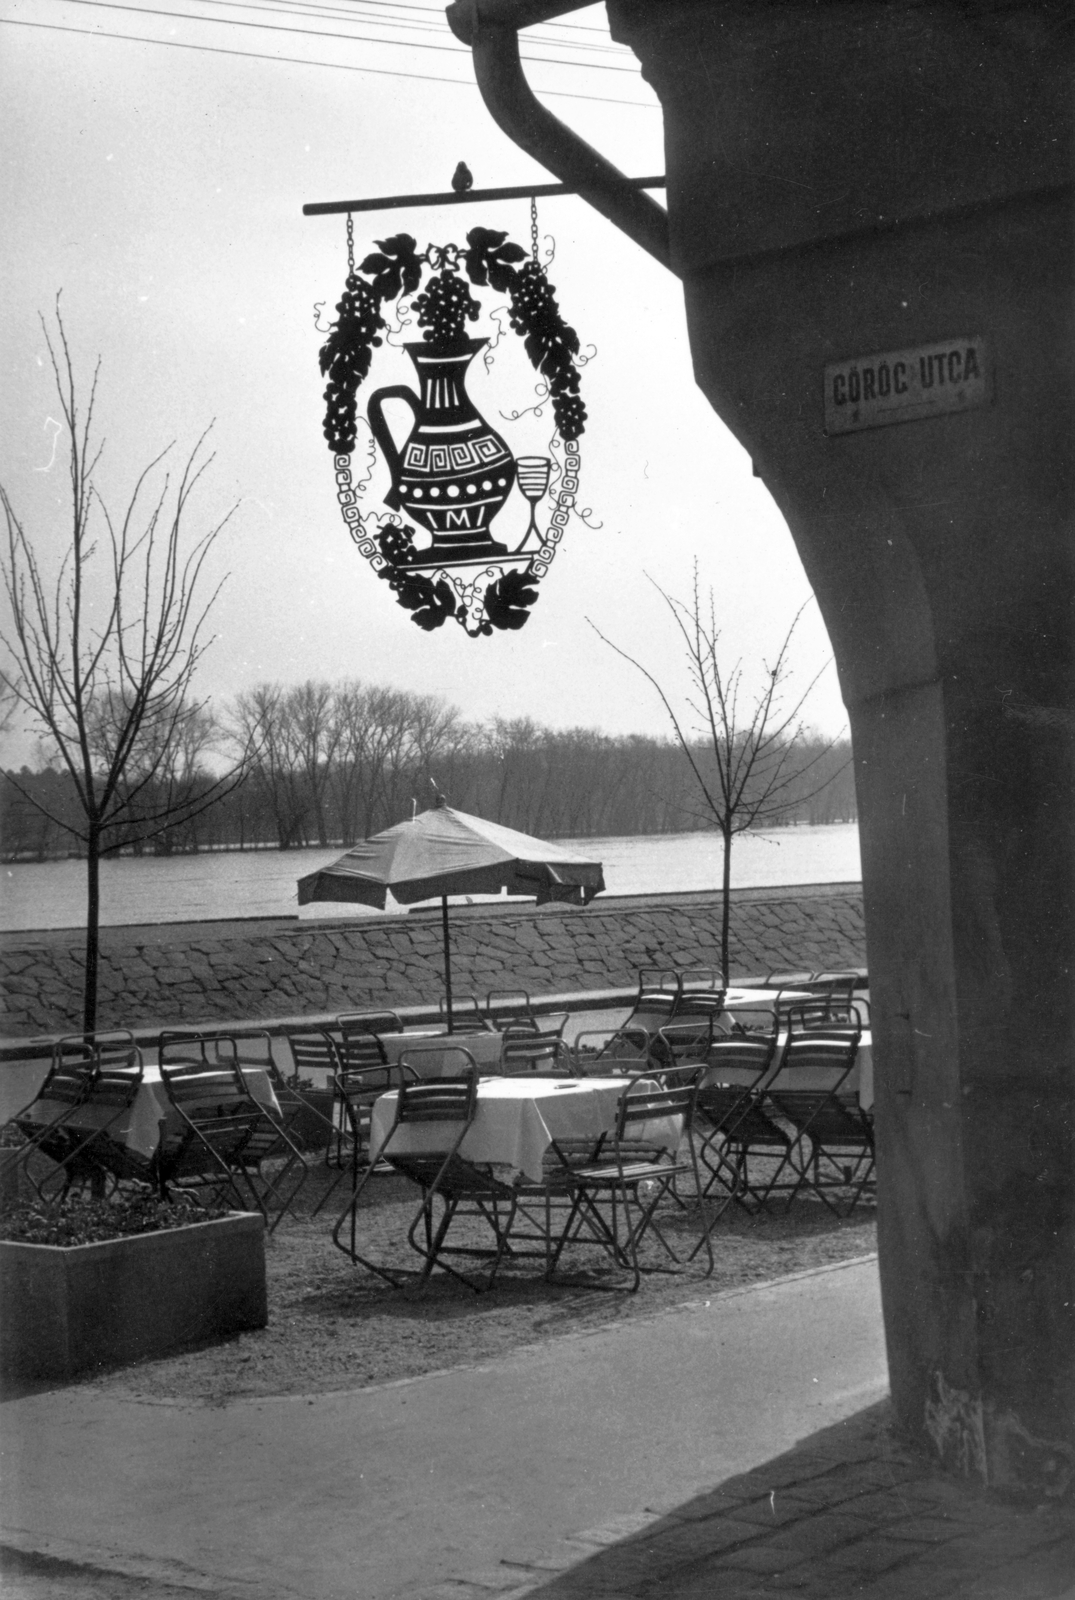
(349, 1216)
(435, 1240)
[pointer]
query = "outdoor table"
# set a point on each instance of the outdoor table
(737, 1001)
(859, 1080)
(138, 1129)
(517, 1121)
(428, 1062)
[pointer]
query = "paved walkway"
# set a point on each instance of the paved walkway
(734, 1447)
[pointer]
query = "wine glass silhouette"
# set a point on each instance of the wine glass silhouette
(532, 476)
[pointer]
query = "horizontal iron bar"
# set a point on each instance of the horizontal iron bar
(394, 202)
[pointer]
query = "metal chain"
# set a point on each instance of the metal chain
(534, 230)
(350, 245)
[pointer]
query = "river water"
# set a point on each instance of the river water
(261, 883)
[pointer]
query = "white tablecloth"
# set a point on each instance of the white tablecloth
(430, 1054)
(859, 1080)
(138, 1129)
(517, 1120)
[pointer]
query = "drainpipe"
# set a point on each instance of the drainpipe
(491, 30)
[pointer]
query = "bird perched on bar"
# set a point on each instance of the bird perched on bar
(462, 178)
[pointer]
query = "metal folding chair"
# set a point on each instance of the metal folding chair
(315, 1058)
(465, 1010)
(732, 1124)
(658, 999)
(617, 1191)
(92, 1080)
(832, 1150)
(446, 1107)
(102, 1160)
(359, 1084)
(510, 1008)
(226, 1141)
(308, 1117)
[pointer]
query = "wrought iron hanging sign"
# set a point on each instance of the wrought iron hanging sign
(438, 547)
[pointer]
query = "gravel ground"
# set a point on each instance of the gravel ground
(333, 1325)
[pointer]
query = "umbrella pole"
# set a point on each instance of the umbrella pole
(447, 960)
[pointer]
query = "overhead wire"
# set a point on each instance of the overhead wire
(437, 10)
(301, 61)
(360, 10)
(318, 33)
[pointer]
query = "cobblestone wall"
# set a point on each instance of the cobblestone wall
(154, 977)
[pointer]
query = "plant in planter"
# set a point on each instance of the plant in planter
(454, 473)
(90, 1283)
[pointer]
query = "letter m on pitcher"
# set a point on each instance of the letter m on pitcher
(926, 380)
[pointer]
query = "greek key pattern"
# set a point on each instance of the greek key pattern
(565, 500)
(467, 456)
(540, 562)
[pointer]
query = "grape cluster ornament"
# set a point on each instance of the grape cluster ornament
(436, 546)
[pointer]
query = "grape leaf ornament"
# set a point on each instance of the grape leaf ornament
(452, 476)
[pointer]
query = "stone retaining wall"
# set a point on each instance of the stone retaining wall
(152, 977)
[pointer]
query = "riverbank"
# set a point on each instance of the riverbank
(262, 883)
(153, 976)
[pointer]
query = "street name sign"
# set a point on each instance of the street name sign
(925, 380)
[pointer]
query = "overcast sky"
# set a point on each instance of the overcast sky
(160, 187)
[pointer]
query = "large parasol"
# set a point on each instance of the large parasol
(443, 852)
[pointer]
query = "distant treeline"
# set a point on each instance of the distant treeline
(328, 764)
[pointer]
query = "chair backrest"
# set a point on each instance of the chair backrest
(527, 1051)
(749, 1058)
(437, 1060)
(359, 1049)
(78, 1060)
(789, 980)
(440, 1100)
(118, 1078)
(201, 1072)
(510, 1008)
(841, 999)
(701, 1003)
(685, 1041)
(360, 1086)
(312, 1050)
(643, 1101)
(608, 1051)
(702, 980)
(465, 1008)
(71, 1072)
(250, 1047)
(658, 989)
(801, 1015)
(828, 1056)
(368, 1022)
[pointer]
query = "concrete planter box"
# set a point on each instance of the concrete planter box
(69, 1310)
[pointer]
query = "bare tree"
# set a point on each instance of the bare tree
(106, 646)
(746, 756)
(265, 735)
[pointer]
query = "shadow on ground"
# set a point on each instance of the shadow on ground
(852, 1511)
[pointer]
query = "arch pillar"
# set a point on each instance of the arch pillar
(848, 181)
